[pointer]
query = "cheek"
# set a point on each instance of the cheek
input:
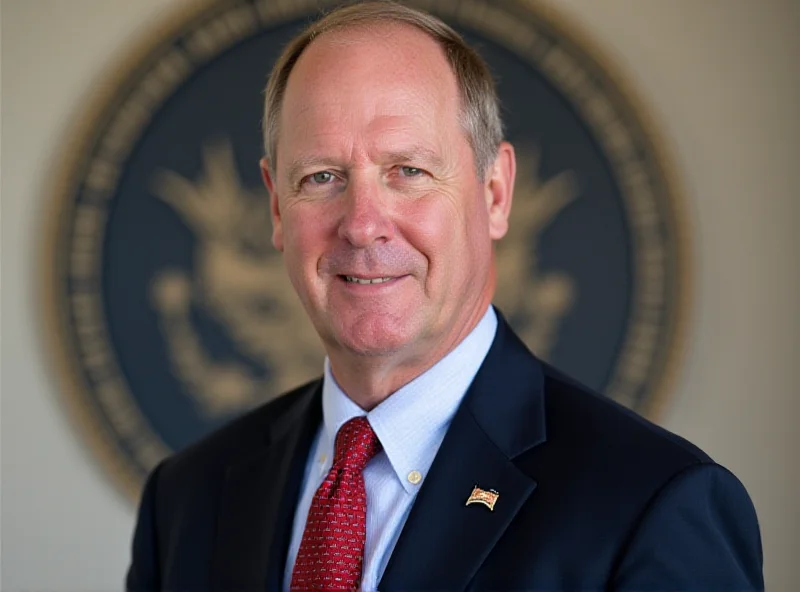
(449, 233)
(449, 219)
(304, 243)
(431, 227)
(302, 231)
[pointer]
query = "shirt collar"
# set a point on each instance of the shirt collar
(411, 423)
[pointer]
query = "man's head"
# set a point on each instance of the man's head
(385, 203)
(479, 109)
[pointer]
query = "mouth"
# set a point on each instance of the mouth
(353, 279)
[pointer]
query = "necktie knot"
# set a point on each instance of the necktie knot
(356, 444)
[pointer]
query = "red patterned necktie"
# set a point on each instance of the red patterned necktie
(331, 551)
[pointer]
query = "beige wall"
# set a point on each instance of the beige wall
(721, 76)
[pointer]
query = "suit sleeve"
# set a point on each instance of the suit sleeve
(700, 532)
(143, 573)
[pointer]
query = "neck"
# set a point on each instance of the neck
(370, 380)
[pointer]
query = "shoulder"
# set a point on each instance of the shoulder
(237, 440)
(602, 453)
(614, 480)
(577, 414)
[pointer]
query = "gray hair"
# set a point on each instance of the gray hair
(480, 110)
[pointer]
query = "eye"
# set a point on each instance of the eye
(321, 178)
(409, 171)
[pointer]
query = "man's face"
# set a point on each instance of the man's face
(385, 226)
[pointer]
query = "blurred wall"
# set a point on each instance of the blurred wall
(720, 76)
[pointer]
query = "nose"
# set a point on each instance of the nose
(366, 218)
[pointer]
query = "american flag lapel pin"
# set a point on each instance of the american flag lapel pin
(481, 496)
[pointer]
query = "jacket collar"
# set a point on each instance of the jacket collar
(259, 497)
(444, 540)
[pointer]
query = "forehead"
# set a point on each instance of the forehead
(379, 79)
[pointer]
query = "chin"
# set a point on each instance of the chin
(374, 338)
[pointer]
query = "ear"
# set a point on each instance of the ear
(274, 207)
(499, 190)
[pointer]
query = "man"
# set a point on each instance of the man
(436, 453)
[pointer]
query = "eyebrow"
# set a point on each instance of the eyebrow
(305, 162)
(412, 154)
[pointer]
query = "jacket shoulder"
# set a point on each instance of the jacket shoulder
(613, 442)
(240, 438)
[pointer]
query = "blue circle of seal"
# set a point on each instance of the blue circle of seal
(171, 311)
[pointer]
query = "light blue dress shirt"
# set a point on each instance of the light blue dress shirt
(411, 425)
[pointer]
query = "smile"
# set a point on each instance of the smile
(356, 280)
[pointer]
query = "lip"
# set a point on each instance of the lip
(355, 286)
(368, 279)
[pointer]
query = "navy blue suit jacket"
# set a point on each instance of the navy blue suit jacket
(591, 497)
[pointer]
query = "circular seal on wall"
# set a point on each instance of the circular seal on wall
(171, 313)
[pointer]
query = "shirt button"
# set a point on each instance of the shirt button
(414, 477)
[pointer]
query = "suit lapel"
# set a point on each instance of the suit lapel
(258, 501)
(444, 541)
